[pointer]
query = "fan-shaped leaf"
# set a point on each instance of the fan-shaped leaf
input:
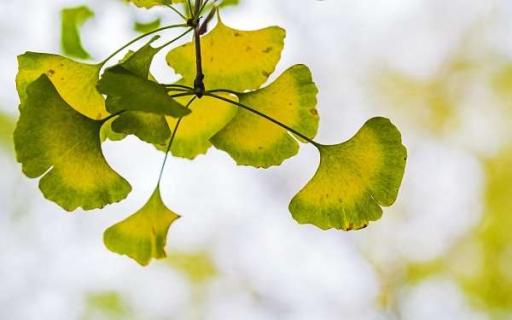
(148, 127)
(54, 141)
(254, 141)
(126, 91)
(208, 116)
(151, 3)
(354, 180)
(143, 235)
(75, 82)
(234, 59)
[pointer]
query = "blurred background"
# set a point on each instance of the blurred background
(441, 70)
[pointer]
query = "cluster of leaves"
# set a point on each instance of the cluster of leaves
(68, 108)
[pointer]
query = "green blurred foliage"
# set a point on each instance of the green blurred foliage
(145, 27)
(502, 84)
(198, 267)
(431, 101)
(7, 124)
(72, 21)
(108, 305)
(482, 262)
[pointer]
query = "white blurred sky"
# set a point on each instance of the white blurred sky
(271, 267)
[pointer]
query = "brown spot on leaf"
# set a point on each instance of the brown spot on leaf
(267, 50)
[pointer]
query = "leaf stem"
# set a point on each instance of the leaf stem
(185, 94)
(203, 6)
(178, 86)
(169, 145)
(199, 81)
(261, 114)
(176, 11)
(174, 40)
(102, 63)
(178, 90)
(112, 116)
(190, 8)
(226, 91)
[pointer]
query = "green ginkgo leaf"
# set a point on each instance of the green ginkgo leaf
(208, 116)
(143, 235)
(107, 133)
(54, 141)
(126, 91)
(148, 127)
(72, 20)
(74, 81)
(234, 59)
(354, 180)
(254, 141)
(139, 62)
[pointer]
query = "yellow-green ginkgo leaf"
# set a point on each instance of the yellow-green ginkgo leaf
(354, 180)
(143, 235)
(232, 59)
(254, 141)
(54, 141)
(208, 116)
(151, 3)
(74, 81)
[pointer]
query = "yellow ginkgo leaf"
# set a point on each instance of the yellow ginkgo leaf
(233, 59)
(143, 235)
(54, 141)
(254, 141)
(74, 81)
(208, 117)
(354, 180)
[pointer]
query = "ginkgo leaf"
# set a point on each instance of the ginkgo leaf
(72, 20)
(74, 81)
(54, 141)
(143, 235)
(254, 141)
(149, 127)
(139, 62)
(151, 3)
(208, 116)
(233, 59)
(354, 179)
(127, 91)
(107, 132)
